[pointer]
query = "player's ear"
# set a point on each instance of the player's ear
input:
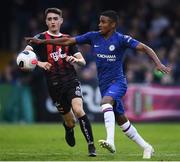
(61, 20)
(113, 24)
(46, 22)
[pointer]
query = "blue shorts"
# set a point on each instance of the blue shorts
(116, 90)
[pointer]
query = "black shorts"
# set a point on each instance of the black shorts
(62, 95)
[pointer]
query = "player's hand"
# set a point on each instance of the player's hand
(71, 59)
(33, 40)
(44, 65)
(164, 69)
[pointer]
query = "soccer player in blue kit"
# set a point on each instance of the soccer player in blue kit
(109, 47)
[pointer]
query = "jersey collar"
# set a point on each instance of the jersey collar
(55, 35)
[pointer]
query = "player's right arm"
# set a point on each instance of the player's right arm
(28, 48)
(65, 41)
(43, 65)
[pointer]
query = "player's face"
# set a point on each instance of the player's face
(106, 25)
(54, 21)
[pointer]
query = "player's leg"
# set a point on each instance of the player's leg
(110, 94)
(75, 96)
(109, 121)
(131, 132)
(85, 125)
(64, 107)
(69, 124)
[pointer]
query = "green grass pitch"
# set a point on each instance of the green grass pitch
(45, 142)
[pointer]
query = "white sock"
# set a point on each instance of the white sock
(132, 133)
(109, 120)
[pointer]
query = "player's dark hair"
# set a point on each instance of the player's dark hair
(111, 14)
(53, 10)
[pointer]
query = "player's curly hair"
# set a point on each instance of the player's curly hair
(53, 10)
(112, 15)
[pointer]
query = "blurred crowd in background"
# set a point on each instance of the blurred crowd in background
(153, 22)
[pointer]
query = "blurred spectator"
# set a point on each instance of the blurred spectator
(16, 93)
(159, 23)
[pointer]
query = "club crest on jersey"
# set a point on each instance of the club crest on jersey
(112, 47)
(56, 55)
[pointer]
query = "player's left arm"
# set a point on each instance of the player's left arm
(76, 58)
(146, 49)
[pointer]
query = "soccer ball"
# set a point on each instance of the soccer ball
(27, 60)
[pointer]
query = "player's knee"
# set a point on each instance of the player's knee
(107, 100)
(106, 107)
(79, 112)
(78, 109)
(71, 124)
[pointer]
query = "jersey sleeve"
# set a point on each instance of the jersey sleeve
(36, 46)
(129, 42)
(84, 39)
(73, 50)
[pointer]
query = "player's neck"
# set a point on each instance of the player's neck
(106, 36)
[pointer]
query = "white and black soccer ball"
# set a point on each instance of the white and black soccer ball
(27, 60)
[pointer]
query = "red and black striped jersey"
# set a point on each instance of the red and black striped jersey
(61, 70)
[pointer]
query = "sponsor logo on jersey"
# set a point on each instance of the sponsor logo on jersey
(78, 91)
(57, 104)
(96, 46)
(128, 38)
(111, 92)
(108, 57)
(56, 55)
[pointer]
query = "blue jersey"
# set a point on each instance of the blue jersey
(109, 55)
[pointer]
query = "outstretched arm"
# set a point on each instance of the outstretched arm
(145, 49)
(65, 41)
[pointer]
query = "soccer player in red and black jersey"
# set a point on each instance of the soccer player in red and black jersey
(63, 85)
